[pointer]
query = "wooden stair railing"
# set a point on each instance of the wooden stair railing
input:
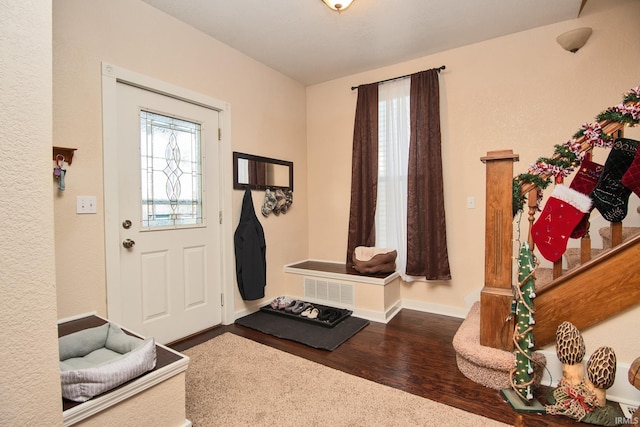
(591, 293)
(613, 278)
(496, 297)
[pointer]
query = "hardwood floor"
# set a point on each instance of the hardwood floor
(413, 352)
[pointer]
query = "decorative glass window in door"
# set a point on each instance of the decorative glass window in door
(171, 171)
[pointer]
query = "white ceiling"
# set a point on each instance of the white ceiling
(311, 43)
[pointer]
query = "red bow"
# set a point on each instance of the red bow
(576, 397)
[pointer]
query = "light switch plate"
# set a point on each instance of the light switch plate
(86, 205)
(471, 202)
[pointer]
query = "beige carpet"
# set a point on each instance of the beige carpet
(233, 381)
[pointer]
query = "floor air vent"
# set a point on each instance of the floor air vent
(332, 292)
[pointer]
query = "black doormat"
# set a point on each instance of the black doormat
(306, 333)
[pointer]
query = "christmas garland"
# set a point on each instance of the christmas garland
(569, 155)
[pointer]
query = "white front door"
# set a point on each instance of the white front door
(168, 214)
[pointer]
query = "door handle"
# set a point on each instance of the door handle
(128, 243)
(126, 224)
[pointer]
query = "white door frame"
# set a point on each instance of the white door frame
(111, 75)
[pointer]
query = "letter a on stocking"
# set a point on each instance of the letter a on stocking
(562, 212)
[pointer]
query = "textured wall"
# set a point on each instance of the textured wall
(30, 391)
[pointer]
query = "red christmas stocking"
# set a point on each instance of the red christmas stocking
(562, 212)
(631, 178)
(584, 182)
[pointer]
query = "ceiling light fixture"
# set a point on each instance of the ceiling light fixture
(573, 40)
(338, 5)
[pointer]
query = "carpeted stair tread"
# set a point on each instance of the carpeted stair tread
(484, 365)
(544, 275)
(573, 257)
(627, 233)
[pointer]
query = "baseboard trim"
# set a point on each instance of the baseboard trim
(376, 316)
(426, 307)
(79, 316)
(386, 316)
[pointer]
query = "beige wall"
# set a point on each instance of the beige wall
(520, 92)
(30, 390)
(267, 119)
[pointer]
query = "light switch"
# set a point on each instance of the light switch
(86, 205)
(471, 202)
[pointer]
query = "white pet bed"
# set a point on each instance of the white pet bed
(96, 360)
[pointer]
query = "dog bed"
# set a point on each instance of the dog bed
(371, 260)
(96, 360)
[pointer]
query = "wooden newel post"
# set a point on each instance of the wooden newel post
(497, 294)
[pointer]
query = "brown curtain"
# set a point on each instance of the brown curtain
(364, 171)
(426, 226)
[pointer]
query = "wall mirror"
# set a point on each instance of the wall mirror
(260, 173)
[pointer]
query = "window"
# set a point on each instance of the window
(393, 157)
(171, 171)
(420, 257)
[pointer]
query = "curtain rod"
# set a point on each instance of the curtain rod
(401, 77)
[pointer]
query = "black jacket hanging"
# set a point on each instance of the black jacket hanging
(251, 249)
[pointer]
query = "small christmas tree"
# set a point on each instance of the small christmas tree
(522, 375)
(520, 396)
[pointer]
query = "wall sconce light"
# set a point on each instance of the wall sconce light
(338, 5)
(573, 40)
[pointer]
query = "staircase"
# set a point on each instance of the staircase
(590, 293)
(585, 294)
(596, 283)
